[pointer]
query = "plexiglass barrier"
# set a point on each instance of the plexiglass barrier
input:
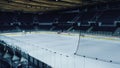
(99, 47)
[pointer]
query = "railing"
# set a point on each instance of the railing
(31, 61)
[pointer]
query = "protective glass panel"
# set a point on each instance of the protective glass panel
(99, 47)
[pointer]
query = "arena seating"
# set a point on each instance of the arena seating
(88, 20)
(109, 16)
(85, 17)
(104, 28)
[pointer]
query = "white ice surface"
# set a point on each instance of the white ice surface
(102, 49)
(44, 46)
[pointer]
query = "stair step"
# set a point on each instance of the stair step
(15, 58)
(6, 55)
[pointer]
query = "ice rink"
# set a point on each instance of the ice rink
(57, 50)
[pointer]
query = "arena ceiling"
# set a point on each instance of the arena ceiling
(43, 5)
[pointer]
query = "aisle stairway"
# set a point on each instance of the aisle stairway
(117, 32)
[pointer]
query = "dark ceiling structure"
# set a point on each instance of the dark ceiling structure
(44, 5)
